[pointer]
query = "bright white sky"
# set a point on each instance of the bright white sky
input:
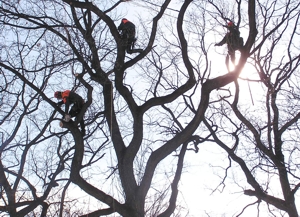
(197, 186)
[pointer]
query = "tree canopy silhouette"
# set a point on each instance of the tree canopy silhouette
(142, 111)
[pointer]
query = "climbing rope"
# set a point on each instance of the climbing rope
(250, 92)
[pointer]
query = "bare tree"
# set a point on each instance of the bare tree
(261, 137)
(142, 111)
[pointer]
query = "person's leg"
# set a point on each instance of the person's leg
(231, 53)
(128, 49)
(82, 126)
(73, 111)
(233, 58)
(129, 45)
(76, 108)
(133, 42)
(131, 49)
(227, 62)
(79, 106)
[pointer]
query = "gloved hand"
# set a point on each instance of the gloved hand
(67, 118)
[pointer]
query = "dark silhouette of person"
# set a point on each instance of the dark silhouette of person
(68, 97)
(127, 31)
(233, 40)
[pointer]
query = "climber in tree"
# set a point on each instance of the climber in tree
(233, 40)
(127, 31)
(68, 97)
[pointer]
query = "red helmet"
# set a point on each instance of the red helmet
(124, 20)
(230, 24)
(57, 94)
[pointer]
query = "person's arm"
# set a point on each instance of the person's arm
(120, 27)
(60, 103)
(67, 105)
(221, 42)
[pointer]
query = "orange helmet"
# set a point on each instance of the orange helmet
(57, 94)
(230, 24)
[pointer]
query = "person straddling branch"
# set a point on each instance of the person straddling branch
(127, 31)
(68, 97)
(233, 40)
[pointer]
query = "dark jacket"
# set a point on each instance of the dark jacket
(127, 29)
(232, 39)
(69, 97)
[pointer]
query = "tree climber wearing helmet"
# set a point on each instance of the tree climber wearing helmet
(127, 31)
(68, 97)
(233, 40)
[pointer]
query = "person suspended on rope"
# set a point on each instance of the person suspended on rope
(233, 40)
(127, 31)
(68, 97)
